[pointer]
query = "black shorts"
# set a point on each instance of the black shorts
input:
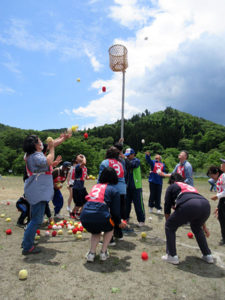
(79, 196)
(97, 227)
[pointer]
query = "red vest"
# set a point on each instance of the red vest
(186, 188)
(97, 193)
(29, 173)
(84, 173)
(180, 170)
(117, 166)
(158, 166)
(219, 184)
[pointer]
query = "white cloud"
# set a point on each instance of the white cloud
(161, 34)
(67, 45)
(107, 109)
(129, 13)
(18, 35)
(6, 90)
(94, 62)
(10, 64)
(48, 74)
(66, 112)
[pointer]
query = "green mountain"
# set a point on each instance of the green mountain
(165, 132)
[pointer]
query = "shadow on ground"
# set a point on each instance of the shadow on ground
(197, 266)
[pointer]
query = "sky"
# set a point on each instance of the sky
(176, 58)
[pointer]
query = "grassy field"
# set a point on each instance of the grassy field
(61, 271)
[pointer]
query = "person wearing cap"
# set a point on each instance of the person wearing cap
(155, 181)
(134, 186)
(218, 174)
(59, 176)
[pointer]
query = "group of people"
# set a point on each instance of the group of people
(107, 207)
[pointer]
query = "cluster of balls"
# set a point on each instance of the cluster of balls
(55, 229)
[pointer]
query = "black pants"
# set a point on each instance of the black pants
(196, 211)
(155, 195)
(118, 231)
(221, 216)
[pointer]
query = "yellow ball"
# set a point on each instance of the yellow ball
(8, 219)
(93, 177)
(37, 237)
(143, 235)
(70, 231)
(49, 139)
(23, 274)
(52, 222)
(2, 215)
(60, 232)
(76, 224)
(74, 128)
(79, 236)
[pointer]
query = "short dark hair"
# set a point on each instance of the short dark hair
(185, 151)
(112, 152)
(214, 170)
(29, 144)
(109, 176)
(175, 177)
(119, 146)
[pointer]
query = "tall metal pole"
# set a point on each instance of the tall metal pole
(122, 110)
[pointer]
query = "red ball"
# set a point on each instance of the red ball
(54, 233)
(144, 255)
(85, 135)
(104, 89)
(49, 226)
(81, 228)
(64, 221)
(38, 232)
(8, 203)
(75, 230)
(62, 224)
(190, 235)
(124, 221)
(8, 231)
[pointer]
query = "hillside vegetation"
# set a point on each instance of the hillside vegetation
(165, 132)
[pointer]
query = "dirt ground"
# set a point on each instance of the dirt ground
(60, 271)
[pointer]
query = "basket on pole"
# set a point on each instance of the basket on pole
(118, 63)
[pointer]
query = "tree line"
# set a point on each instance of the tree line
(165, 132)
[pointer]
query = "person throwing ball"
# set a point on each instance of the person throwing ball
(102, 212)
(190, 207)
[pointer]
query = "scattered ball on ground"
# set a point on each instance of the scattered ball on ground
(23, 274)
(54, 233)
(144, 255)
(8, 231)
(143, 235)
(190, 235)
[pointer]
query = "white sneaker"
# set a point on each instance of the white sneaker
(104, 255)
(90, 256)
(159, 211)
(140, 224)
(208, 258)
(69, 209)
(150, 210)
(171, 259)
(58, 216)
